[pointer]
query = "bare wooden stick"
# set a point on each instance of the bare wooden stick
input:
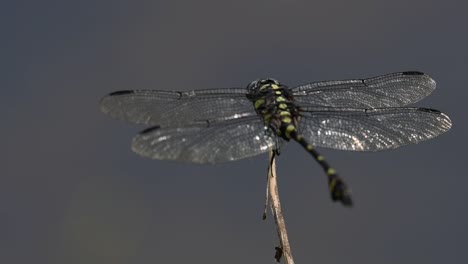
(285, 249)
(267, 194)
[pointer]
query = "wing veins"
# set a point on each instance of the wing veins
(391, 90)
(166, 108)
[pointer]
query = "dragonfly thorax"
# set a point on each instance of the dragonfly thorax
(274, 103)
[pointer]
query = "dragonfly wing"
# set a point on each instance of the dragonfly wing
(370, 129)
(391, 90)
(165, 108)
(207, 142)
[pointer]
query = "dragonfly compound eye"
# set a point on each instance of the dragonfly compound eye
(253, 86)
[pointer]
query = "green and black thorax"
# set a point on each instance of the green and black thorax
(274, 103)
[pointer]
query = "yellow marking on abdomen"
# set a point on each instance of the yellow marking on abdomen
(280, 99)
(285, 113)
(332, 184)
(286, 119)
(274, 86)
(331, 171)
(283, 106)
(289, 129)
(320, 158)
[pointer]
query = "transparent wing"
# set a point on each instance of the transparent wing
(207, 142)
(371, 129)
(391, 90)
(165, 108)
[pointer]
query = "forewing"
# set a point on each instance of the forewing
(371, 129)
(391, 90)
(207, 142)
(164, 108)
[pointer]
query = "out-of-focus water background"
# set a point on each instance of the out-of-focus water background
(72, 191)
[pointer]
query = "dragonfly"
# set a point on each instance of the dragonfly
(219, 125)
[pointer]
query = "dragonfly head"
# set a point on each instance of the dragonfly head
(255, 85)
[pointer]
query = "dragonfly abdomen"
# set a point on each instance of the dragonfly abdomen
(338, 189)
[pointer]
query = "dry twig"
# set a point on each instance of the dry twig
(272, 185)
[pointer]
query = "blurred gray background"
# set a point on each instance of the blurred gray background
(72, 191)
